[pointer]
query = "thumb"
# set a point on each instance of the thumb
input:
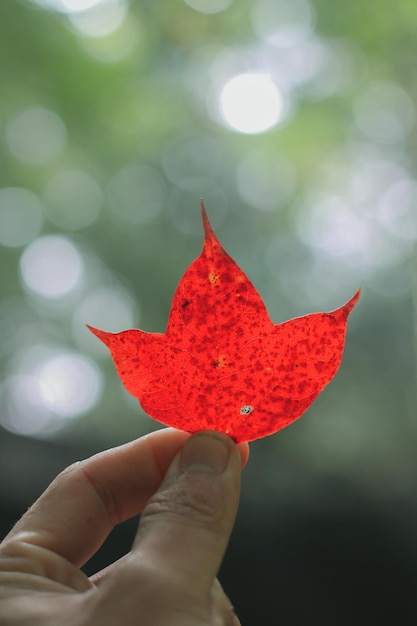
(185, 527)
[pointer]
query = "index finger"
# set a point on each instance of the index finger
(76, 513)
(81, 506)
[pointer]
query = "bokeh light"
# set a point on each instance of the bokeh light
(332, 226)
(111, 308)
(50, 387)
(70, 384)
(21, 216)
(364, 227)
(251, 103)
(36, 135)
(51, 267)
(328, 67)
(69, 6)
(209, 6)
(23, 410)
(100, 20)
(283, 23)
(397, 209)
(111, 39)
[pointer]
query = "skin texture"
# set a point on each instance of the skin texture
(187, 489)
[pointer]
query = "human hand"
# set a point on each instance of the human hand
(187, 489)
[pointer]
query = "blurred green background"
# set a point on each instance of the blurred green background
(296, 122)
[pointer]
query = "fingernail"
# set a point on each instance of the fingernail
(204, 452)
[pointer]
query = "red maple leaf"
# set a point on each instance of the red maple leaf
(222, 364)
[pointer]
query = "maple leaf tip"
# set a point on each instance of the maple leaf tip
(355, 298)
(203, 211)
(350, 304)
(208, 231)
(100, 334)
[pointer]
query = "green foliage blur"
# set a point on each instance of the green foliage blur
(296, 122)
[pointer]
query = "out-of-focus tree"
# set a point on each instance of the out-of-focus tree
(295, 121)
